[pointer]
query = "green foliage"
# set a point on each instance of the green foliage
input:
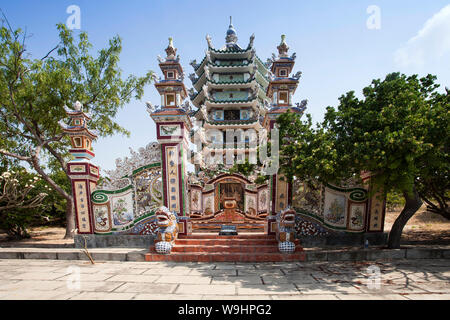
(305, 152)
(246, 168)
(34, 92)
(395, 132)
(398, 132)
(394, 200)
(20, 201)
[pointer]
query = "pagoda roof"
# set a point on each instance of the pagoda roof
(291, 82)
(75, 113)
(232, 103)
(78, 130)
(169, 111)
(171, 83)
(171, 63)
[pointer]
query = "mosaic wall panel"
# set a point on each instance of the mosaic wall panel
(305, 226)
(335, 209)
(129, 210)
(330, 207)
(170, 130)
(122, 208)
(145, 226)
(208, 203)
(196, 200)
(263, 200)
(102, 218)
(250, 203)
(357, 216)
(307, 197)
(148, 185)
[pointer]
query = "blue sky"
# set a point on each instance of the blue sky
(335, 50)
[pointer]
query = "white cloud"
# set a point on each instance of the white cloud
(432, 42)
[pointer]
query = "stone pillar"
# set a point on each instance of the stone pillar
(172, 136)
(173, 127)
(82, 173)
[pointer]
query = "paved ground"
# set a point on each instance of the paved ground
(56, 279)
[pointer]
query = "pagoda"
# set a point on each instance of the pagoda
(83, 174)
(229, 90)
(238, 98)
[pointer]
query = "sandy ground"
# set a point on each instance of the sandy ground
(423, 228)
(41, 235)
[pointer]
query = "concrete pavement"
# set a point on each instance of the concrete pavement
(62, 280)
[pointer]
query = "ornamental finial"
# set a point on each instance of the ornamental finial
(171, 50)
(283, 48)
(231, 37)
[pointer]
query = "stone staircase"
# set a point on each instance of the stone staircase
(204, 247)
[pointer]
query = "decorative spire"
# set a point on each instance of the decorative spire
(171, 50)
(231, 37)
(283, 48)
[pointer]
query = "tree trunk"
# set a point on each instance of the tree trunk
(412, 204)
(70, 220)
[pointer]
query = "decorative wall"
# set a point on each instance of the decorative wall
(327, 209)
(130, 209)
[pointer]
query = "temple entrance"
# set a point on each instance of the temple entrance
(231, 199)
(231, 193)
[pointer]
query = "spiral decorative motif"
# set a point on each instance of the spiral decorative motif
(99, 197)
(358, 195)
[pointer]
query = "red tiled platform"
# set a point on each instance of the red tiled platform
(200, 247)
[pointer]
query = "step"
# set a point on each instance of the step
(230, 242)
(226, 257)
(216, 236)
(225, 248)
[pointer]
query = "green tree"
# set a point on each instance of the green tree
(20, 192)
(397, 131)
(246, 168)
(33, 93)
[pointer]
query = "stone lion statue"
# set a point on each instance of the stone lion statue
(167, 231)
(286, 230)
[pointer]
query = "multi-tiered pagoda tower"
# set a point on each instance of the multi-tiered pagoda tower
(238, 98)
(229, 90)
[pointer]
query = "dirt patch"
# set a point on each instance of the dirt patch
(40, 235)
(423, 228)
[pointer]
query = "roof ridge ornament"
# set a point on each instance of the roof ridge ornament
(77, 106)
(171, 50)
(208, 39)
(283, 48)
(231, 37)
(252, 39)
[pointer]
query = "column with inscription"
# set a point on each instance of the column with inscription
(83, 174)
(173, 126)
